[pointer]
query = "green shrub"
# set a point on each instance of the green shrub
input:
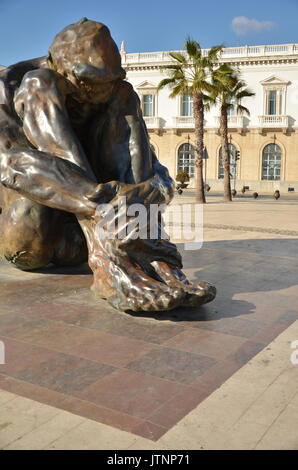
(182, 176)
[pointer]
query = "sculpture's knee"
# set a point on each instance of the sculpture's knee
(39, 79)
(37, 86)
(23, 242)
(25, 253)
(27, 260)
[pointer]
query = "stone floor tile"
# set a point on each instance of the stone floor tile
(20, 355)
(101, 414)
(144, 393)
(46, 433)
(177, 407)
(64, 373)
(209, 343)
(171, 364)
(282, 435)
(93, 436)
(111, 349)
(32, 391)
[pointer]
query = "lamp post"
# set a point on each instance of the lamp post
(272, 165)
(189, 154)
(205, 157)
(234, 163)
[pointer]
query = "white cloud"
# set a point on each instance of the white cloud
(242, 25)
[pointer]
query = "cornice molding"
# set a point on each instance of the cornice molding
(240, 63)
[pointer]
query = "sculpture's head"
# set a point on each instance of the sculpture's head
(85, 53)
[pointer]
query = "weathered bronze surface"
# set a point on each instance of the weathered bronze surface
(72, 137)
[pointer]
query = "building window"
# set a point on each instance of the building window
(271, 162)
(275, 92)
(186, 159)
(186, 105)
(233, 162)
(272, 102)
(148, 105)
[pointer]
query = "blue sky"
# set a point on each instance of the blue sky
(28, 26)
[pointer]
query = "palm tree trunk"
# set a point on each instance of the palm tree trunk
(225, 152)
(198, 111)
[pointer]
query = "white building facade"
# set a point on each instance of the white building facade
(266, 141)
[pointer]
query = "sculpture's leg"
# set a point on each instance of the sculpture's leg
(70, 248)
(121, 281)
(31, 234)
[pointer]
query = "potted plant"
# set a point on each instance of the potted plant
(182, 178)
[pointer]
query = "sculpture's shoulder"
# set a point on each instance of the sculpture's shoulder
(125, 88)
(126, 99)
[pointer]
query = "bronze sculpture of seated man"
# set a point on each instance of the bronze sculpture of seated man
(72, 137)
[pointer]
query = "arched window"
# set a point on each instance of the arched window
(186, 159)
(271, 162)
(233, 162)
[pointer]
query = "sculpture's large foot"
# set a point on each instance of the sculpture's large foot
(198, 293)
(126, 287)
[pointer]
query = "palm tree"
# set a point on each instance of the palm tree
(191, 73)
(229, 91)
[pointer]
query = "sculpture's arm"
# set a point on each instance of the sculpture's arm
(39, 102)
(52, 181)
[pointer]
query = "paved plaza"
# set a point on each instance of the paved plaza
(79, 374)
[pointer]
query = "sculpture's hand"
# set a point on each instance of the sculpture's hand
(117, 218)
(104, 193)
(146, 193)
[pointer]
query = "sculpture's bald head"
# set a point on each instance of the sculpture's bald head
(86, 54)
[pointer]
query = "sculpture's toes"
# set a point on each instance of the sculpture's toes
(166, 300)
(157, 298)
(199, 293)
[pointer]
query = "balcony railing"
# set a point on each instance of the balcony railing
(227, 53)
(274, 121)
(183, 121)
(152, 122)
(236, 122)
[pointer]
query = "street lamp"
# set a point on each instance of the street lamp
(233, 163)
(237, 157)
(189, 155)
(205, 157)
